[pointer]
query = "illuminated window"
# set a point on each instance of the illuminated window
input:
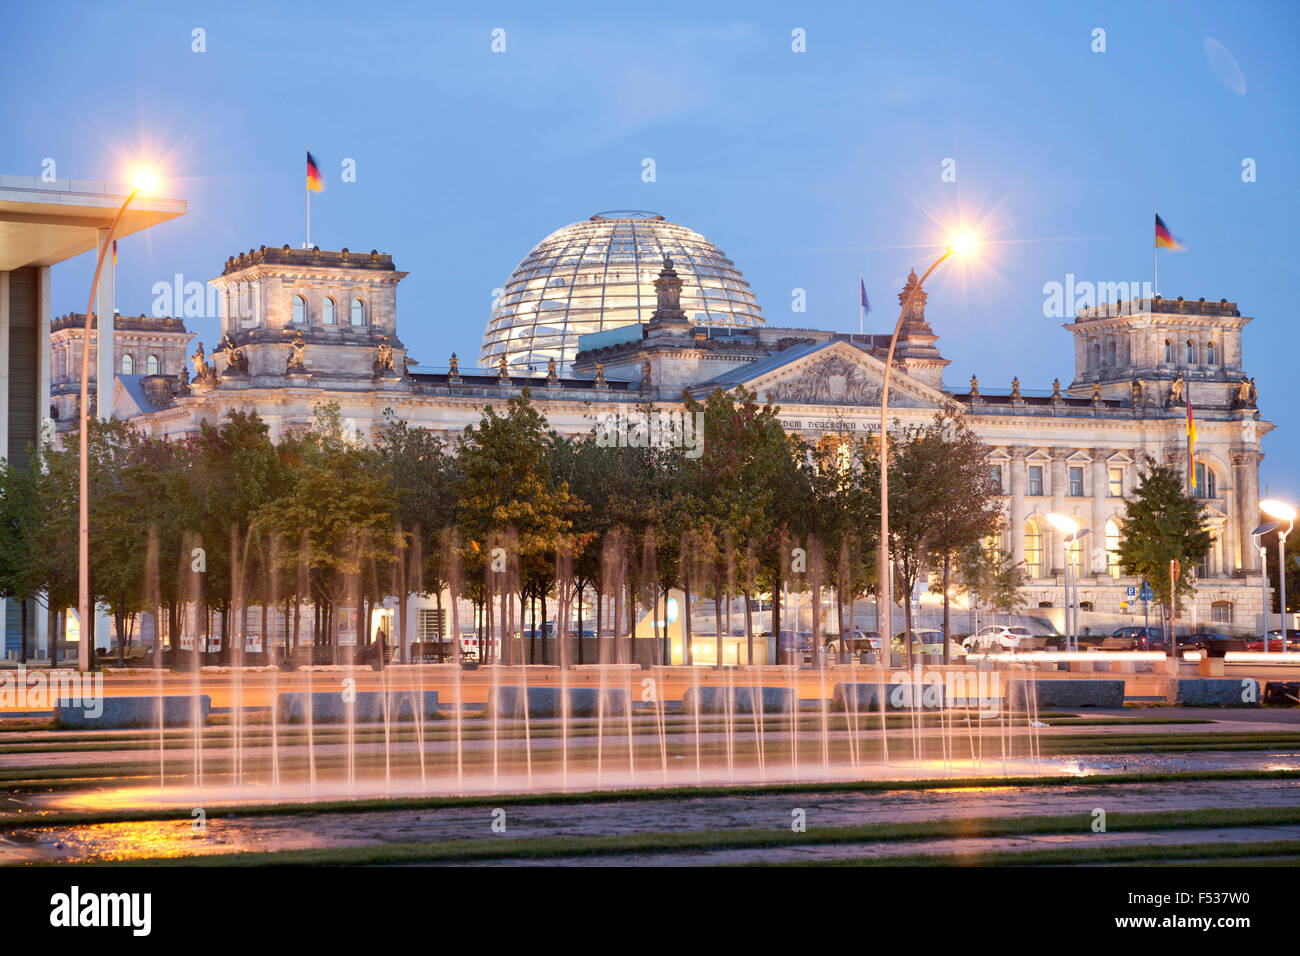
(1116, 476)
(1035, 479)
(1221, 612)
(1076, 482)
(128, 364)
(1033, 549)
(151, 365)
(358, 312)
(327, 311)
(1112, 548)
(299, 310)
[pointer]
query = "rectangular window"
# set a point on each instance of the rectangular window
(1221, 612)
(1117, 482)
(995, 478)
(431, 624)
(1076, 482)
(1035, 480)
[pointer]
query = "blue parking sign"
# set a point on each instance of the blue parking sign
(1131, 591)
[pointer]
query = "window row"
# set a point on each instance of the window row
(1104, 560)
(1074, 475)
(328, 312)
(152, 364)
(1213, 355)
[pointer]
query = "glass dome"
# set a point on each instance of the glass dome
(598, 275)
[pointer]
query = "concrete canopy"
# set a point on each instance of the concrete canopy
(43, 223)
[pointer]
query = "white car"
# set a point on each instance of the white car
(997, 637)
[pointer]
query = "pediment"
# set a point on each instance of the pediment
(840, 374)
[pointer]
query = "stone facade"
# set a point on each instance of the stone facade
(1076, 451)
(150, 349)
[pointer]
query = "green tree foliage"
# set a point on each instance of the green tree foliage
(1162, 523)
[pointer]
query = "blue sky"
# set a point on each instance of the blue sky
(805, 168)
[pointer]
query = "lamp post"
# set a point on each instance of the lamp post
(1281, 511)
(1258, 537)
(1072, 530)
(143, 181)
(961, 244)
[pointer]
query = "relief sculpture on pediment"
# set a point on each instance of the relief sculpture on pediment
(834, 381)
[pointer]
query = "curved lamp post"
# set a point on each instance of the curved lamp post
(1258, 537)
(1280, 511)
(961, 244)
(143, 181)
(1072, 531)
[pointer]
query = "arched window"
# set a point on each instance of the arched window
(151, 365)
(1096, 356)
(327, 311)
(299, 310)
(1221, 612)
(358, 312)
(1211, 354)
(128, 364)
(1169, 352)
(1191, 352)
(1113, 361)
(1112, 548)
(1033, 549)
(1205, 483)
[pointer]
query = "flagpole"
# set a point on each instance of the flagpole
(861, 286)
(309, 204)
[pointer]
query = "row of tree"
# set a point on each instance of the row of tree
(326, 525)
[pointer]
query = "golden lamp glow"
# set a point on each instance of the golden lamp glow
(1277, 509)
(1062, 523)
(144, 180)
(963, 243)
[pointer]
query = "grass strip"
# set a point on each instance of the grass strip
(534, 848)
(38, 819)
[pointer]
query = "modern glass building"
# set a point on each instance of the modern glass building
(599, 274)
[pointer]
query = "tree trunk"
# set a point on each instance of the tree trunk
(688, 657)
(582, 587)
(22, 643)
(947, 569)
(779, 655)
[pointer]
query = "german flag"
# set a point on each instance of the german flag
(1166, 239)
(316, 184)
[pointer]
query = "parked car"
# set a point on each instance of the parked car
(797, 643)
(856, 641)
(1212, 645)
(996, 637)
(1275, 643)
(927, 642)
(1142, 638)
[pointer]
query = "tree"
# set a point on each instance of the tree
(1162, 523)
(20, 526)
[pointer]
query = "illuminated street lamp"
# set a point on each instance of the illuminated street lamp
(960, 244)
(142, 181)
(1072, 530)
(1281, 511)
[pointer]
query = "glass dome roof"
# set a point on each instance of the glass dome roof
(599, 274)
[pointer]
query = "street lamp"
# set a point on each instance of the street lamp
(1282, 512)
(1073, 530)
(142, 180)
(1258, 537)
(960, 244)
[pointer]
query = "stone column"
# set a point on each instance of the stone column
(1060, 485)
(1231, 553)
(1100, 503)
(1017, 479)
(1245, 466)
